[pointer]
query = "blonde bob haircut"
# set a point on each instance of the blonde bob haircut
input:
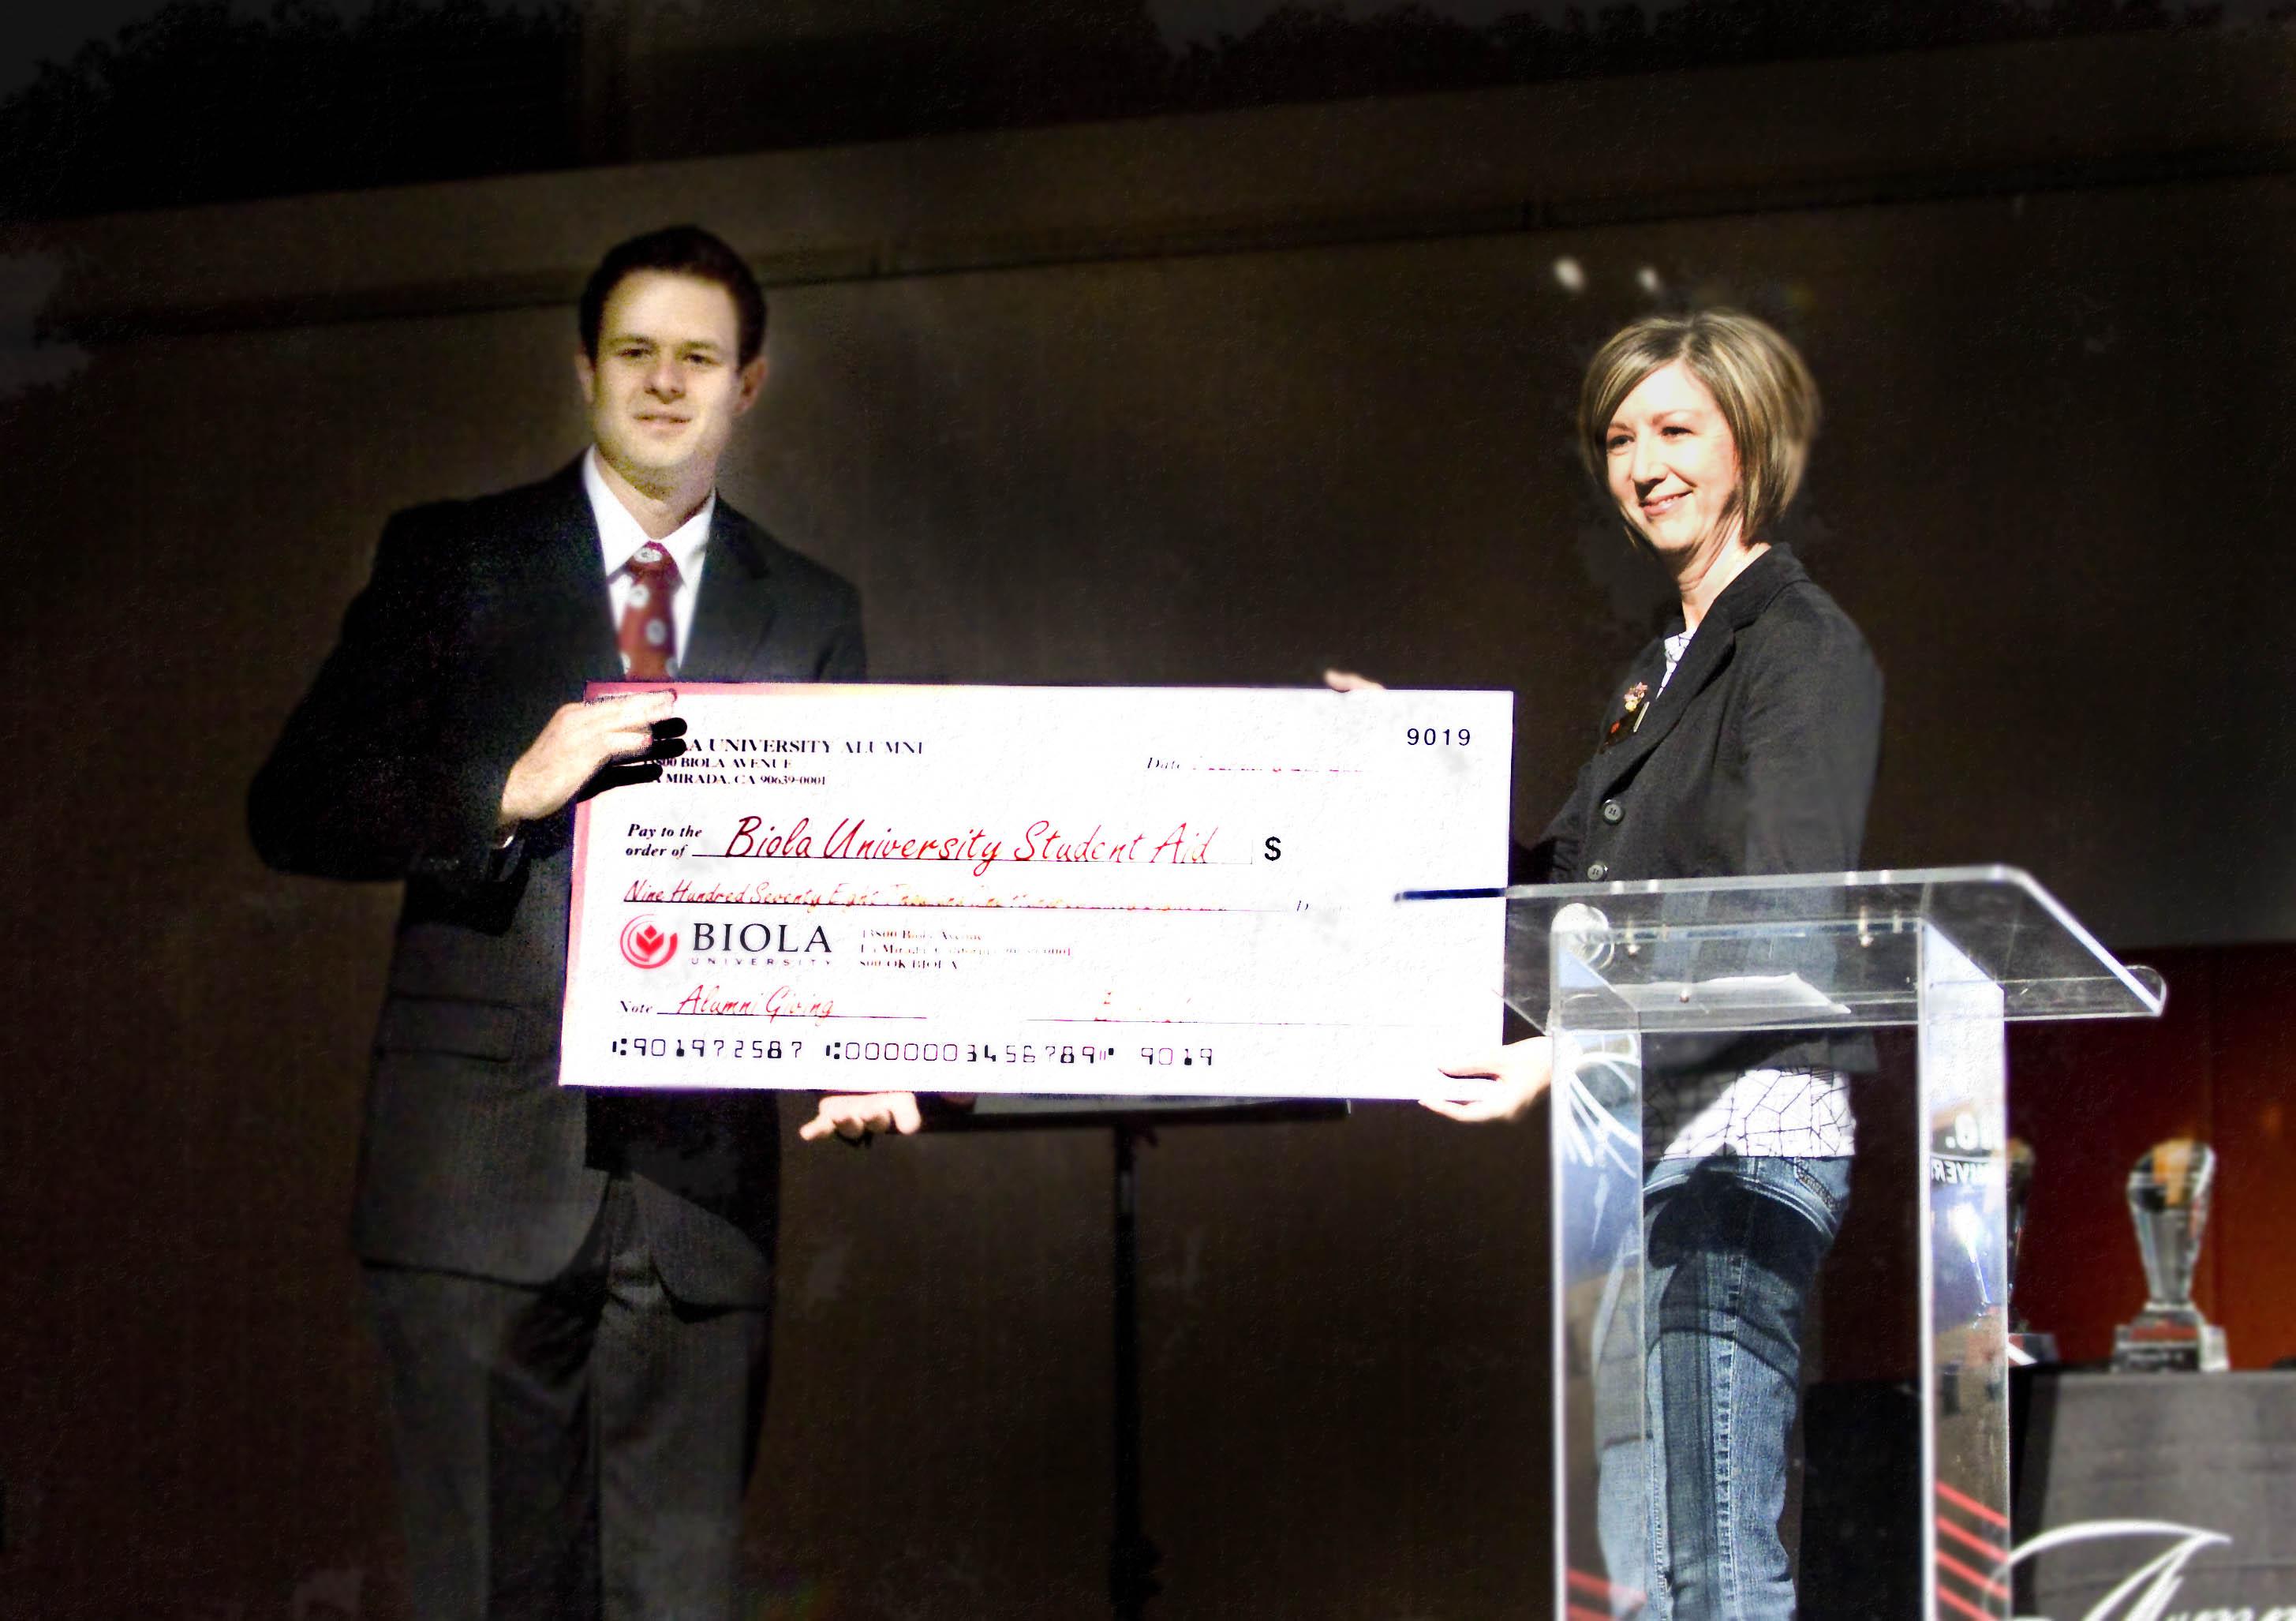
(1765, 392)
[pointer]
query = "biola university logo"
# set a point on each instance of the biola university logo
(760, 938)
(647, 944)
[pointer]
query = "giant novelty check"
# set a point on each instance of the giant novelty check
(1072, 889)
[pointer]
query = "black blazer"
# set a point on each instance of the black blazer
(480, 618)
(1758, 758)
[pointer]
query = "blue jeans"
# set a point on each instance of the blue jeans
(1731, 1244)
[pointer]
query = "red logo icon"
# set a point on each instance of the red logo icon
(645, 945)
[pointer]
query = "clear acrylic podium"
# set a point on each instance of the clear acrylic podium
(1605, 968)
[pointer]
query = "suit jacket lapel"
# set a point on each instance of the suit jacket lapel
(1701, 661)
(569, 584)
(1741, 604)
(736, 608)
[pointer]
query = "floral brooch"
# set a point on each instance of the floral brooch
(1637, 706)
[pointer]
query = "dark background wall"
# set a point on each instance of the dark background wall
(1194, 399)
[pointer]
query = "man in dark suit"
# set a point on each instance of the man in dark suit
(572, 1291)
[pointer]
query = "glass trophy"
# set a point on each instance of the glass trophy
(2168, 1192)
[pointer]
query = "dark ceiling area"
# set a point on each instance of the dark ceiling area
(203, 101)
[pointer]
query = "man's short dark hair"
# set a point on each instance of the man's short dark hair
(679, 251)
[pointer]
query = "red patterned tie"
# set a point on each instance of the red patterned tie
(649, 633)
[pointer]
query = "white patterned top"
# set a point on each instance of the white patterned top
(1677, 645)
(1802, 1114)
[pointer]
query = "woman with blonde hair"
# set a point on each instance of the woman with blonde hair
(1742, 741)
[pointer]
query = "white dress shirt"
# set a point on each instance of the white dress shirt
(619, 534)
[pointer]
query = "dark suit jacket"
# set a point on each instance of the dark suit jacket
(479, 620)
(1758, 758)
